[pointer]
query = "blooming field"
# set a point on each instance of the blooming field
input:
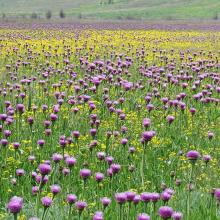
(99, 124)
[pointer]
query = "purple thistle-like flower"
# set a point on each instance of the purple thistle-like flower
(16, 145)
(70, 161)
(136, 199)
(46, 201)
(146, 197)
(35, 190)
(217, 194)
(177, 216)
(170, 119)
(120, 198)
(65, 171)
(105, 201)
(165, 212)
(192, 155)
(165, 196)
(101, 155)
(44, 169)
(192, 111)
(55, 189)
(115, 168)
(146, 122)
(206, 158)
(143, 216)
(41, 142)
(148, 135)
(98, 216)
(76, 134)
(85, 173)
(210, 135)
(71, 198)
(57, 157)
(99, 177)
(81, 205)
(20, 172)
(124, 141)
(15, 205)
(109, 159)
(130, 195)
(155, 197)
(20, 108)
(4, 142)
(53, 117)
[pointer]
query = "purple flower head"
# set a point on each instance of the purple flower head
(165, 212)
(165, 196)
(109, 159)
(146, 197)
(124, 141)
(15, 205)
(85, 173)
(76, 134)
(206, 158)
(81, 205)
(148, 135)
(16, 145)
(143, 216)
(20, 108)
(155, 197)
(115, 168)
(101, 155)
(192, 111)
(169, 191)
(146, 122)
(48, 132)
(7, 133)
(44, 169)
(131, 150)
(65, 171)
(150, 107)
(99, 177)
(70, 161)
(35, 190)
(57, 157)
(105, 201)
(46, 201)
(3, 117)
(130, 195)
(136, 199)
(55, 189)
(41, 143)
(20, 172)
(177, 216)
(178, 182)
(170, 119)
(217, 194)
(93, 132)
(4, 142)
(53, 117)
(71, 198)
(98, 216)
(120, 198)
(192, 155)
(210, 135)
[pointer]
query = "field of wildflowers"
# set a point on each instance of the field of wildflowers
(109, 124)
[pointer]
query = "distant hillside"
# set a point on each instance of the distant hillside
(114, 9)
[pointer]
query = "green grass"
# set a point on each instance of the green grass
(120, 9)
